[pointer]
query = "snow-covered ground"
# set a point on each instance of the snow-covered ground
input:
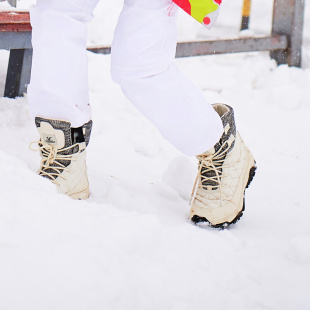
(131, 245)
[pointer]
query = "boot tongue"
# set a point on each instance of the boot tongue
(51, 136)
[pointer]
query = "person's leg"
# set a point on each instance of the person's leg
(142, 63)
(58, 91)
(59, 76)
(143, 52)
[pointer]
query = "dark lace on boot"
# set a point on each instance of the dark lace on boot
(210, 162)
(73, 137)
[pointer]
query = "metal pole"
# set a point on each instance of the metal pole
(12, 3)
(288, 18)
(26, 72)
(246, 11)
(18, 74)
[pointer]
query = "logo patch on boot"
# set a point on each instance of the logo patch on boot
(49, 139)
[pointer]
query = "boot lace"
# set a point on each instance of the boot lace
(210, 169)
(53, 163)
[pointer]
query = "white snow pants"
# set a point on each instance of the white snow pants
(142, 64)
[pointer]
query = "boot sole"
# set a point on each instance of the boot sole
(199, 220)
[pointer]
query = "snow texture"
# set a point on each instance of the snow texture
(131, 245)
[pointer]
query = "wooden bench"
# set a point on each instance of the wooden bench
(15, 35)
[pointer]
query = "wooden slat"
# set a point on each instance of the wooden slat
(14, 21)
(212, 47)
(240, 45)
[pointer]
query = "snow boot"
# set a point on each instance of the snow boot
(62, 151)
(224, 172)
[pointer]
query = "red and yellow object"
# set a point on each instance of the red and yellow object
(204, 11)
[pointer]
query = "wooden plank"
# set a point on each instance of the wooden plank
(14, 17)
(15, 27)
(15, 21)
(231, 46)
(212, 47)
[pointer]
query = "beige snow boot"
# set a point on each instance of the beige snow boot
(62, 151)
(224, 172)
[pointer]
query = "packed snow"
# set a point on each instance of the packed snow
(131, 245)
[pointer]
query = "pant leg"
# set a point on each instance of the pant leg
(59, 81)
(143, 52)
